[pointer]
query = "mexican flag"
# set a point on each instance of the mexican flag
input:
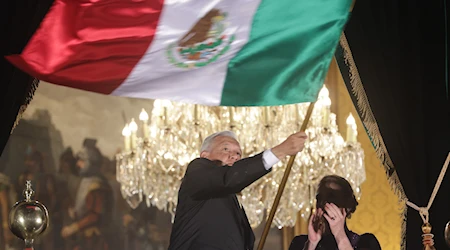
(212, 52)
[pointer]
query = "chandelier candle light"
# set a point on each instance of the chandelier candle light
(155, 157)
(351, 129)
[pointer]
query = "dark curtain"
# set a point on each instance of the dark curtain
(20, 18)
(399, 51)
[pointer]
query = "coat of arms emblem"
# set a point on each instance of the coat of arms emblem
(203, 44)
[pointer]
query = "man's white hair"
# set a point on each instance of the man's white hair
(207, 143)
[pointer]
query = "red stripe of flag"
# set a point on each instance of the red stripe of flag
(90, 44)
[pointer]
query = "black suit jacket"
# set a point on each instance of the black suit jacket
(208, 215)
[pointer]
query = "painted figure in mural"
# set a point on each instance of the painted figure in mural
(7, 200)
(68, 172)
(209, 215)
(327, 228)
(93, 202)
(68, 183)
(115, 230)
(44, 185)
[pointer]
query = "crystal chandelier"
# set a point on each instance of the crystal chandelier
(155, 158)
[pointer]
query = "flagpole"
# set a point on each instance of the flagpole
(283, 183)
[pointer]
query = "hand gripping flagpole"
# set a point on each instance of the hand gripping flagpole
(283, 183)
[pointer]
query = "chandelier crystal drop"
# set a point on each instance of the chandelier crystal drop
(157, 151)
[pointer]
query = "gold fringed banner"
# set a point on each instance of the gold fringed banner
(29, 96)
(370, 123)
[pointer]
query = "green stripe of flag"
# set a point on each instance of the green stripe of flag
(288, 54)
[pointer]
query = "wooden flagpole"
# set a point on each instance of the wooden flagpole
(283, 183)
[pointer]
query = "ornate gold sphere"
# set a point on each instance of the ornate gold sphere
(447, 234)
(28, 218)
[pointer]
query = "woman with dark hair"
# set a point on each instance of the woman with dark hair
(327, 228)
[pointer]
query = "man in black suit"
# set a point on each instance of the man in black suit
(209, 215)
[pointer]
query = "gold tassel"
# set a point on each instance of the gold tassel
(427, 237)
